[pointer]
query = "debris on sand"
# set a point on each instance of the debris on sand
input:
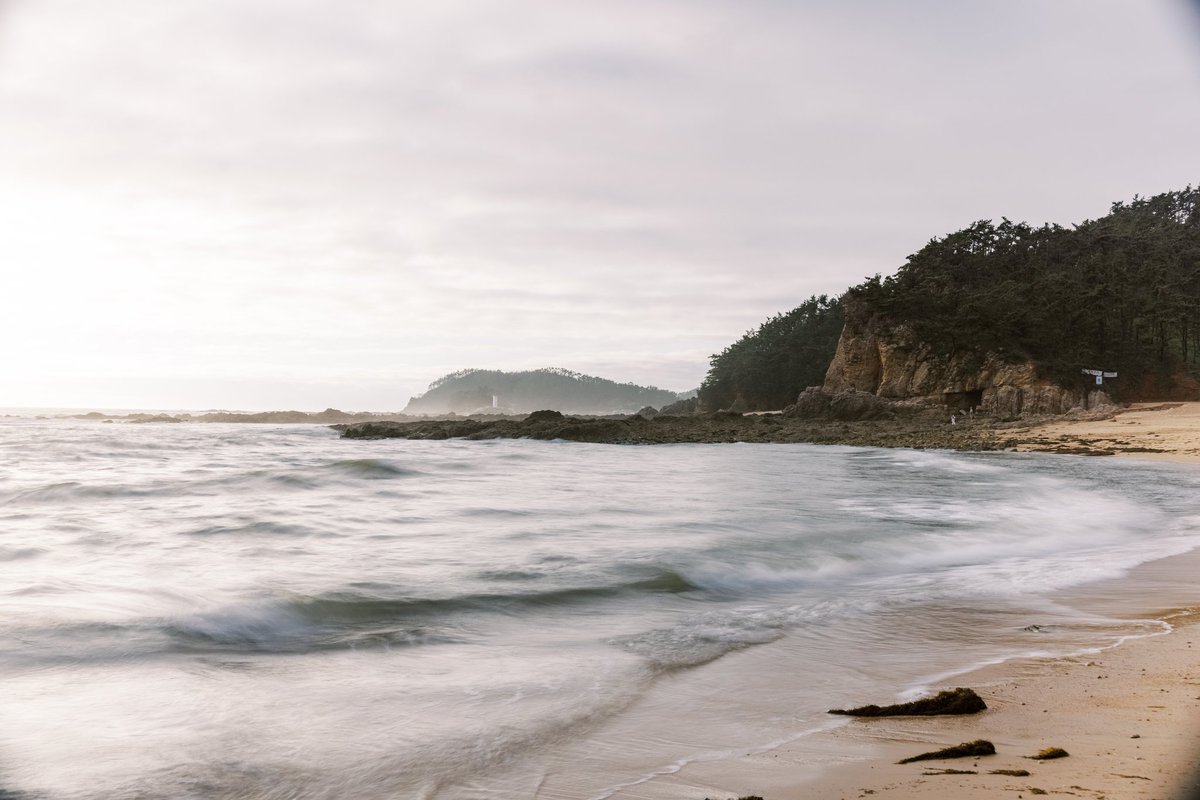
(950, 772)
(1049, 753)
(948, 701)
(979, 747)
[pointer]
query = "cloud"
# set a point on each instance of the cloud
(519, 183)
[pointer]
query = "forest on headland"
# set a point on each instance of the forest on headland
(1120, 293)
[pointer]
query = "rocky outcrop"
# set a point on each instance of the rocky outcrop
(888, 363)
(818, 403)
(681, 407)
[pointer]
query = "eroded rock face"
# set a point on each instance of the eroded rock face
(894, 367)
(681, 407)
(817, 403)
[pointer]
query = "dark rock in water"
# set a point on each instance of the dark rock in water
(649, 412)
(979, 747)
(546, 415)
(949, 701)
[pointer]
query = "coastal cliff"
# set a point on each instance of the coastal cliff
(888, 361)
(1001, 317)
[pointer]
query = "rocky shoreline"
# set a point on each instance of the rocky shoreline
(920, 431)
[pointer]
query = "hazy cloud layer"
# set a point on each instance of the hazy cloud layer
(262, 203)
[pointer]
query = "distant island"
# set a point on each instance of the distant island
(490, 392)
(470, 392)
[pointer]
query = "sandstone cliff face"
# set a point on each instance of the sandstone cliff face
(889, 364)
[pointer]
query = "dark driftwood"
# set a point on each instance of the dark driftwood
(979, 747)
(950, 701)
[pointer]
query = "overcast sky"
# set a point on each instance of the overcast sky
(294, 204)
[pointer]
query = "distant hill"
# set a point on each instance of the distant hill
(472, 390)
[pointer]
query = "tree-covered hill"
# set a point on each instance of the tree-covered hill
(770, 365)
(521, 392)
(1120, 293)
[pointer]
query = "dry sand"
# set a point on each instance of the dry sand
(1129, 717)
(1163, 431)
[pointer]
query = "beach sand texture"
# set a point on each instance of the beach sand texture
(1157, 431)
(1128, 717)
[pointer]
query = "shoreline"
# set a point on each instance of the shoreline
(1162, 431)
(1128, 714)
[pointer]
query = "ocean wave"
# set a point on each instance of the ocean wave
(371, 469)
(253, 529)
(20, 553)
(298, 478)
(701, 640)
(351, 619)
(68, 491)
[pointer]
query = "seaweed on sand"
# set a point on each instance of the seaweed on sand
(948, 701)
(1048, 753)
(950, 772)
(979, 747)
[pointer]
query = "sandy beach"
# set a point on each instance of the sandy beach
(1156, 431)
(1129, 716)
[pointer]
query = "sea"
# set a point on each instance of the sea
(258, 611)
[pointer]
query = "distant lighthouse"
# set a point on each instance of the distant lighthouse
(495, 401)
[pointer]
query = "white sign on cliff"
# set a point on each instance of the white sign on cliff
(1100, 375)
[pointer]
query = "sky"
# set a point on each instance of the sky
(261, 204)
